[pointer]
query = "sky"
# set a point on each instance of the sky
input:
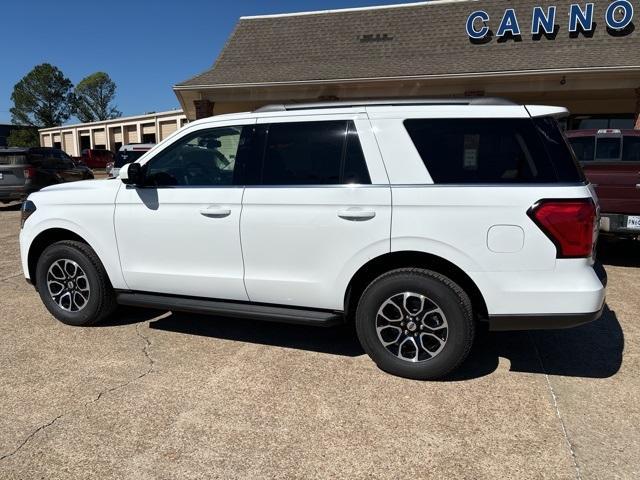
(145, 46)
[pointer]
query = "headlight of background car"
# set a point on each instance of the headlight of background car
(28, 207)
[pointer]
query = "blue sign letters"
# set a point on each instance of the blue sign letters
(618, 16)
(539, 19)
(509, 23)
(471, 30)
(577, 15)
(620, 6)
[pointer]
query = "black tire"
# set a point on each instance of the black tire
(101, 298)
(453, 302)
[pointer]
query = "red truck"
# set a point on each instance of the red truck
(611, 161)
(96, 158)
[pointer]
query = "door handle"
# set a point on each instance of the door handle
(216, 212)
(356, 214)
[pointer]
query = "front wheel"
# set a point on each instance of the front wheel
(415, 323)
(73, 284)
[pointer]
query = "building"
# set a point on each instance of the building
(585, 56)
(112, 134)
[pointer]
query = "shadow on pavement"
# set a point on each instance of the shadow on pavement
(335, 341)
(593, 350)
(619, 252)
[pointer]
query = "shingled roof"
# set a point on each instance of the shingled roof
(421, 39)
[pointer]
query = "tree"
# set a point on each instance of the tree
(23, 137)
(42, 98)
(93, 97)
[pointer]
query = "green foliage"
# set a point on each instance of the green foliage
(93, 97)
(23, 137)
(42, 98)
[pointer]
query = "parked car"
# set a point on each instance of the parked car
(26, 170)
(418, 220)
(127, 154)
(96, 158)
(611, 160)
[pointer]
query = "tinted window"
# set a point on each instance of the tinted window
(558, 149)
(127, 156)
(608, 148)
(584, 148)
(64, 161)
(203, 158)
(631, 149)
(355, 165)
(313, 153)
(489, 151)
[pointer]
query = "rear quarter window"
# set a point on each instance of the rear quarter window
(631, 149)
(493, 151)
(584, 148)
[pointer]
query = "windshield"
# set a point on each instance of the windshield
(127, 156)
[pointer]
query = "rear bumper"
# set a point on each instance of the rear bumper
(541, 322)
(616, 223)
(547, 321)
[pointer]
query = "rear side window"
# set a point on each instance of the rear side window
(313, 153)
(608, 149)
(493, 151)
(584, 148)
(631, 149)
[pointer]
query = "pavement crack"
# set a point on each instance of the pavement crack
(4, 279)
(146, 351)
(151, 362)
(567, 440)
(30, 436)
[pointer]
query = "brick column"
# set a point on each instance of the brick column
(204, 108)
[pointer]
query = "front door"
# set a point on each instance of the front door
(180, 232)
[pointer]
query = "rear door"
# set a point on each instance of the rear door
(314, 209)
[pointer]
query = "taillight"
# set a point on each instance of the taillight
(29, 172)
(569, 224)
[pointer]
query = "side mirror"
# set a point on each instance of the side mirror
(131, 174)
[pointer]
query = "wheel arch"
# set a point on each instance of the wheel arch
(43, 240)
(409, 258)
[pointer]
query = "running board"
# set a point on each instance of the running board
(300, 316)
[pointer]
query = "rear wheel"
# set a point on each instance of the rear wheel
(415, 323)
(73, 284)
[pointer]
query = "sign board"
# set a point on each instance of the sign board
(618, 16)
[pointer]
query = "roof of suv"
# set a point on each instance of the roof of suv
(386, 103)
(493, 104)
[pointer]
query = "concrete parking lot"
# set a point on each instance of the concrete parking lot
(160, 395)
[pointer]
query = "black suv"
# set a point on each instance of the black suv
(25, 170)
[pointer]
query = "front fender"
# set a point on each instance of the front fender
(102, 241)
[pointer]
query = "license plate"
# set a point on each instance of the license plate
(633, 222)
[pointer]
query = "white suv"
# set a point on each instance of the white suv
(417, 219)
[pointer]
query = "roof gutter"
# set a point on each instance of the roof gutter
(448, 76)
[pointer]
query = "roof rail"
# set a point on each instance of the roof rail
(386, 102)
